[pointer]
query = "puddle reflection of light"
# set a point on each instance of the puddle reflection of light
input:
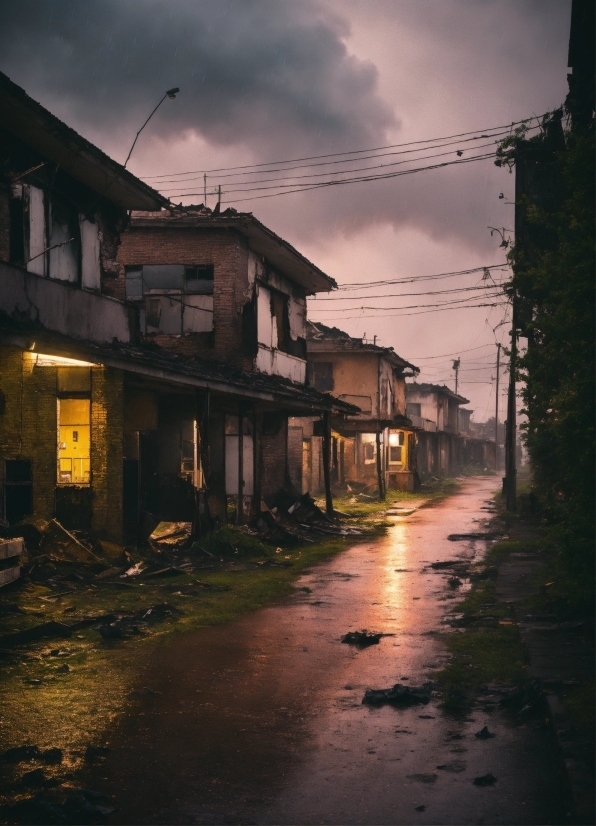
(395, 556)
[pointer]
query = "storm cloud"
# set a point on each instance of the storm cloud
(276, 73)
(266, 79)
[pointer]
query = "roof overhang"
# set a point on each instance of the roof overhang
(282, 255)
(31, 123)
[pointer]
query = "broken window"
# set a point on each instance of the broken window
(199, 279)
(74, 441)
(64, 240)
(322, 376)
(134, 283)
(16, 254)
(414, 409)
(369, 448)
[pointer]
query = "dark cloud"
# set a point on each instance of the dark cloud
(275, 79)
(252, 71)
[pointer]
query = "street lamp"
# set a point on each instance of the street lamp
(171, 93)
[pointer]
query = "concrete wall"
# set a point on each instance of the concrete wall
(364, 380)
(62, 307)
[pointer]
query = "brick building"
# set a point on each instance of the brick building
(126, 398)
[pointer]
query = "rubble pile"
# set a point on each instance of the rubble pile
(295, 519)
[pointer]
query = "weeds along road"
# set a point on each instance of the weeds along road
(261, 720)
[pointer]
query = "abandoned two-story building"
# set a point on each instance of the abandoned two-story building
(375, 446)
(147, 385)
(445, 442)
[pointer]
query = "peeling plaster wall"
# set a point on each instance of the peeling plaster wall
(62, 308)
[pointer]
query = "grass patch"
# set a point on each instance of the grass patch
(484, 650)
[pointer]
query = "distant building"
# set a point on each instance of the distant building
(375, 446)
(446, 443)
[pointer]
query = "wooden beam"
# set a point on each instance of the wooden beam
(327, 463)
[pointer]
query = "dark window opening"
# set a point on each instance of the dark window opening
(395, 454)
(130, 497)
(414, 409)
(322, 376)
(199, 279)
(16, 254)
(18, 490)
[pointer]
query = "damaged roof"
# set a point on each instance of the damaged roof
(322, 339)
(159, 364)
(435, 388)
(262, 240)
(30, 122)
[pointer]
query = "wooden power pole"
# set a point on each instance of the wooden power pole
(497, 407)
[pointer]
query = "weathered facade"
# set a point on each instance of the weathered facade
(136, 392)
(376, 446)
(445, 442)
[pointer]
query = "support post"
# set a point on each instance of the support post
(497, 407)
(510, 458)
(240, 503)
(380, 466)
(202, 516)
(327, 463)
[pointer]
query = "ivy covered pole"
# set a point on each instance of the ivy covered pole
(510, 434)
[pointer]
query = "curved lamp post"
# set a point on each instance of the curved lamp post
(171, 93)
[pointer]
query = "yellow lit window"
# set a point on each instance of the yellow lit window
(74, 441)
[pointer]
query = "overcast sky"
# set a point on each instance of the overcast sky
(269, 80)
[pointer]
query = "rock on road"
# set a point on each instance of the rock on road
(261, 720)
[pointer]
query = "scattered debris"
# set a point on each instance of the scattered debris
(136, 570)
(422, 778)
(485, 780)
(400, 695)
(458, 537)
(420, 808)
(484, 734)
(456, 766)
(454, 582)
(64, 546)
(171, 535)
(364, 638)
(527, 701)
(38, 632)
(95, 753)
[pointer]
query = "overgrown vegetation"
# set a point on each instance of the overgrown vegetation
(553, 285)
(487, 647)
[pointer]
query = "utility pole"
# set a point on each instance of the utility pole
(456, 365)
(510, 434)
(219, 194)
(497, 407)
(204, 189)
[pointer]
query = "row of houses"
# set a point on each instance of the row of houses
(404, 431)
(156, 361)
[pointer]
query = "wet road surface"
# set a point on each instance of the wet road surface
(261, 721)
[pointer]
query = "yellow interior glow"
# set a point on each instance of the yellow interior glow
(74, 441)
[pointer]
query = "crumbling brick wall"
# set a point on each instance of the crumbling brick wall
(227, 250)
(274, 454)
(107, 447)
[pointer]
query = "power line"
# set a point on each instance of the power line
(413, 306)
(422, 312)
(307, 186)
(248, 184)
(506, 126)
(362, 179)
(399, 295)
(355, 285)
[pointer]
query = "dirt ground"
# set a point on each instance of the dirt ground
(261, 720)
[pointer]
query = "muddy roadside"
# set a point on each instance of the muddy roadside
(520, 645)
(79, 625)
